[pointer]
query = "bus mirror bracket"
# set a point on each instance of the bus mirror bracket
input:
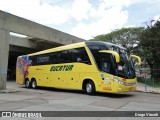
(137, 57)
(117, 57)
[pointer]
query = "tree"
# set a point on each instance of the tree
(128, 37)
(150, 44)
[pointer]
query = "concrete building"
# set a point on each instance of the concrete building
(39, 37)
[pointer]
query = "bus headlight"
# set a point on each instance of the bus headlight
(121, 82)
(120, 89)
(124, 83)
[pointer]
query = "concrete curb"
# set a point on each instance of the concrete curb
(152, 92)
(8, 91)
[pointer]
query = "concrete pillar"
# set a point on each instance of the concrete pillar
(4, 51)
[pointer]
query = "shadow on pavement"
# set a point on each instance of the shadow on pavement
(110, 95)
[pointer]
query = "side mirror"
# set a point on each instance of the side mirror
(137, 57)
(113, 53)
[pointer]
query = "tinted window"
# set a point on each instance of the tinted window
(43, 59)
(49, 58)
(105, 64)
(103, 60)
(80, 55)
(65, 57)
(33, 60)
(54, 58)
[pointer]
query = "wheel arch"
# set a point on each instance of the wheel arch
(86, 80)
(33, 78)
(25, 79)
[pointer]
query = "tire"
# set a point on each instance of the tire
(27, 84)
(34, 84)
(90, 88)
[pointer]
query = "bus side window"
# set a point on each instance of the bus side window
(43, 59)
(74, 53)
(80, 55)
(105, 63)
(65, 57)
(54, 57)
(33, 60)
(79, 59)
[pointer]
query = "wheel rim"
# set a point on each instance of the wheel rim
(27, 83)
(34, 84)
(89, 88)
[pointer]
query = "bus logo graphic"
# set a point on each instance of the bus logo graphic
(6, 114)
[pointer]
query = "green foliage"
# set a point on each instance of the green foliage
(140, 41)
(128, 37)
(150, 44)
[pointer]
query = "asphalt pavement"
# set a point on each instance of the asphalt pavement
(19, 98)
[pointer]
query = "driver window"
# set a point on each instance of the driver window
(105, 63)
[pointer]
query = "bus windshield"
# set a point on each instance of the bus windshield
(125, 68)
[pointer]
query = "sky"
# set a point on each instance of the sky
(85, 18)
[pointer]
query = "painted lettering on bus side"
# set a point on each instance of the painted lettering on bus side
(62, 68)
(107, 88)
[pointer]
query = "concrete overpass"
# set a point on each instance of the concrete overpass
(39, 37)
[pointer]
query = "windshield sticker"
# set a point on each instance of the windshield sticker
(102, 75)
(107, 80)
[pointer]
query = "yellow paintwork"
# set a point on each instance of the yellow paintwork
(113, 53)
(73, 79)
(139, 59)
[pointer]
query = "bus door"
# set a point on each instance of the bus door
(106, 67)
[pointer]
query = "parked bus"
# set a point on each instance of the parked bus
(89, 66)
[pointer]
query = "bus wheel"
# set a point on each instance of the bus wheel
(27, 84)
(34, 84)
(90, 88)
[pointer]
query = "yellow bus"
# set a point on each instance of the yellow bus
(89, 66)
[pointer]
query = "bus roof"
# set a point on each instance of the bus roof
(104, 43)
(56, 49)
(75, 45)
